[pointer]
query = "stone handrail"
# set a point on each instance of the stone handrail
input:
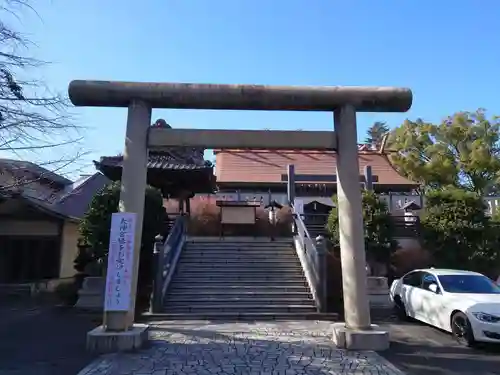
(166, 256)
(312, 255)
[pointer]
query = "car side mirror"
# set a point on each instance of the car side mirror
(434, 288)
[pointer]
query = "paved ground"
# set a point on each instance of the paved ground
(422, 350)
(275, 348)
(42, 340)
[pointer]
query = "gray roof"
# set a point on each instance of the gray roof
(75, 203)
(411, 205)
(168, 160)
(19, 168)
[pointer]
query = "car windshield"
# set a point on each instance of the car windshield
(476, 284)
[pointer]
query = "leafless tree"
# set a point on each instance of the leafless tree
(34, 121)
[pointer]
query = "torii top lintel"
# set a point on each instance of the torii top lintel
(239, 97)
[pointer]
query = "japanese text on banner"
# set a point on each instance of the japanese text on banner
(120, 262)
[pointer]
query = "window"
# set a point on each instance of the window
(475, 284)
(413, 279)
(427, 280)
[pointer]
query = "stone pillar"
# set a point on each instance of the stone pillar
(352, 246)
(290, 187)
(132, 195)
(357, 333)
(157, 272)
(322, 268)
(368, 178)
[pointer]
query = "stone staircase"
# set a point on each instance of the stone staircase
(316, 230)
(239, 278)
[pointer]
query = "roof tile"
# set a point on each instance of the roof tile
(165, 161)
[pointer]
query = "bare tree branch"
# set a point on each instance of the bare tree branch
(34, 121)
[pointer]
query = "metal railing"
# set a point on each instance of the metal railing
(166, 255)
(312, 255)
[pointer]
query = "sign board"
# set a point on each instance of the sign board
(120, 262)
(299, 206)
(238, 215)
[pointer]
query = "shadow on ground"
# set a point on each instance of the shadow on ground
(42, 339)
(419, 349)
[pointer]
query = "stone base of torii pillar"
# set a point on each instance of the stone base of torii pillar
(102, 341)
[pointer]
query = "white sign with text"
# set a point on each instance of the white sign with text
(298, 204)
(120, 262)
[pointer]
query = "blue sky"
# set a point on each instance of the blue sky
(445, 51)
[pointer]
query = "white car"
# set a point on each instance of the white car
(465, 303)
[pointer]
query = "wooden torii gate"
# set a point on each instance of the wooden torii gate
(343, 102)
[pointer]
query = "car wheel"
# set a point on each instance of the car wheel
(462, 330)
(400, 309)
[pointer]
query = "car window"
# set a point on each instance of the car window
(427, 280)
(475, 284)
(413, 279)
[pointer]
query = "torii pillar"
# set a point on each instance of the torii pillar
(357, 332)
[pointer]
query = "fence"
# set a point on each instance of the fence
(394, 201)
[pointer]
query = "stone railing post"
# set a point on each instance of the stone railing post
(322, 269)
(157, 274)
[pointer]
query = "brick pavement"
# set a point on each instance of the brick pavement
(274, 348)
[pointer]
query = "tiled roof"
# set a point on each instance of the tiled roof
(165, 161)
(267, 166)
(76, 202)
(71, 206)
(22, 169)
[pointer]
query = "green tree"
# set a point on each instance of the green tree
(458, 232)
(378, 226)
(462, 151)
(376, 133)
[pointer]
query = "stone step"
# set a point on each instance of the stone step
(238, 268)
(245, 316)
(221, 262)
(251, 241)
(238, 259)
(225, 285)
(239, 247)
(236, 248)
(236, 276)
(214, 287)
(238, 255)
(239, 293)
(249, 308)
(235, 301)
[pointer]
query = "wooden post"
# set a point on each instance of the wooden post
(368, 178)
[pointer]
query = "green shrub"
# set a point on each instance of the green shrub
(457, 231)
(378, 229)
(95, 231)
